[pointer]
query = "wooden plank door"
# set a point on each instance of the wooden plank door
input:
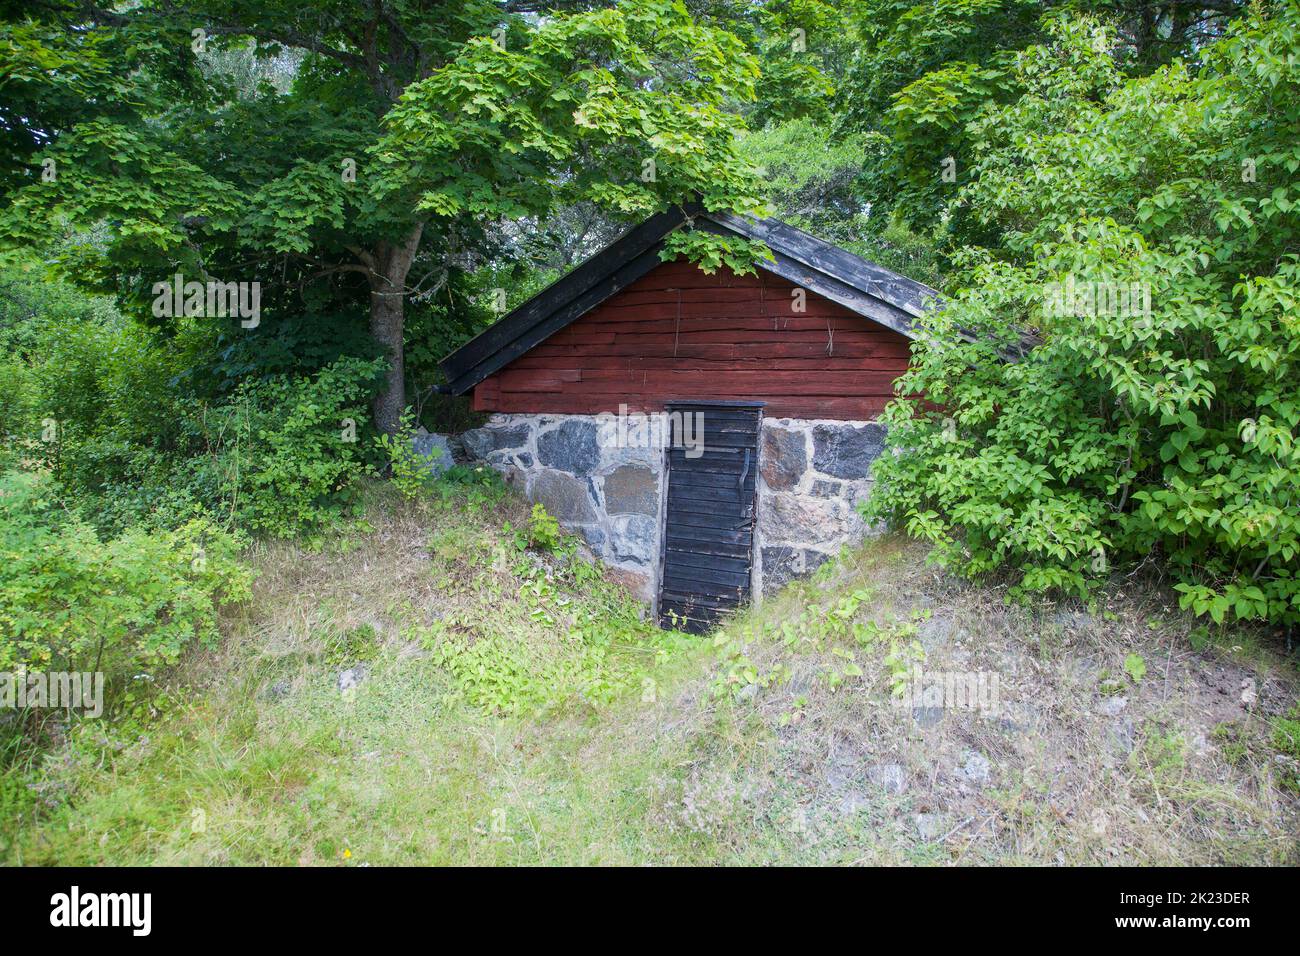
(708, 534)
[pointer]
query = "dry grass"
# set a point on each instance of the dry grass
(1079, 763)
(776, 766)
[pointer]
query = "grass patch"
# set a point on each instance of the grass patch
(514, 707)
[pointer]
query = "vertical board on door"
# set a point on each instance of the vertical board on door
(708, 537)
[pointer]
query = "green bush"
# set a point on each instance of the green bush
(409, 471)
(134, 436)
(70, 600)
(469, 488)
(544, 532)
(17, 410)
(284, 454)
(1126, 432)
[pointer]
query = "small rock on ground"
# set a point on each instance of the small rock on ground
(1111, 706)
(353, 676)
(931, 826)
(976, 769)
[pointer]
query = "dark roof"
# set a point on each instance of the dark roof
(863, 287)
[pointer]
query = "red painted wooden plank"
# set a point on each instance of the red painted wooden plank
(832, 407)
(802, 365)
(753, 335)
(536, 380)
(721, 343)
(689, 382)
(647, 320)
(576, 335)
(486, 395)
(776, 300)
(577, 356)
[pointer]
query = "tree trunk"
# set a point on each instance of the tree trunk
(390, 265)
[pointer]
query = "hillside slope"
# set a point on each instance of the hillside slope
(423, 691)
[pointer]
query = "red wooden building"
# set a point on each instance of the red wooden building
(785, 370)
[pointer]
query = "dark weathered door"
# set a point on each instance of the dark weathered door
(709, 519)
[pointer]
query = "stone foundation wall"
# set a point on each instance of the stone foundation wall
(612, 496)
(811, 473)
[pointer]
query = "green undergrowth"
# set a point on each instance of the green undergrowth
(453, 682)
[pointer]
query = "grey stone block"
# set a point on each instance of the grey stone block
(435, 449)
(890, 777)
(790, 518)
(785, 457)
(847, 451)
(594, 535)
(634, 538)
(571, 447)
(632, 489)
(783, 564)
(565, 497)
(481, 442)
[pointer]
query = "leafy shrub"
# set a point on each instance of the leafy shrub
(70, 600)
(582, 643)
(410, 472)
(17, 410)
(350, 647)
(543, 532)
(1166, 430)
(135, 438)
(473, 488)
(58, 346)
(284, 453)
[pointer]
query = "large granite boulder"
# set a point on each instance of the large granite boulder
(435, 449)
(571, 447)
(847, 451)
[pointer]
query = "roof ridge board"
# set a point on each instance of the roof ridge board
(866, 305)
(867, 276)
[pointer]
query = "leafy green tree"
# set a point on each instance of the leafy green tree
(1151, 238)
(409, 128)
(57, 69)
(814, 179)
(924, 72)
(802, 47)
